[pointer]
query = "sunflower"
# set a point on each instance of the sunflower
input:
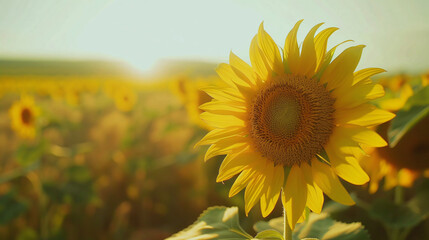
(125, 99)
(293, 121)
(23, 116)
(190, 93)
(402, 164)
(399, 90)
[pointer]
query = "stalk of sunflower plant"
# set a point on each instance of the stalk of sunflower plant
(292, 123)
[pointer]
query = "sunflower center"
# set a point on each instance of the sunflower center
(291, 119)
(282, 115)
(26, 116)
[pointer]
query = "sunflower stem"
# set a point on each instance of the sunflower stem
(398, 199)
(399, 195)
(287, 233)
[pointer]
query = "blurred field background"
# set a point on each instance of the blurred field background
(112, 157)
(113, 153)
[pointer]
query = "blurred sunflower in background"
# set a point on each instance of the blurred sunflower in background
(294, 122)
(125, 98)
(72, 93)
(398, 91)
(192, 96)
(407, 160)
(23, 114)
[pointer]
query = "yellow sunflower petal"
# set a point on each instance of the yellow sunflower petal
(295, 195)
(326, 179)
(327, 59)
(228, 75)
(364, 136)
(359, 93)
(291, 50)
(363, 115)
(340, 71)
(270, 49)
(242, 69)
(258, 60)
(253, 192)
(221, 121)
(217, 107)
(234, 164)
(314, 193)
(272, 193)
(225, 146)
(223, 94)
(308, 59)
(218, 134)
(320, 43)
(366, 73)
(241, 182)
(303, 216)
(347, 167)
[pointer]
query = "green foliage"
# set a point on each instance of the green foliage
(19, 172)
(275, 223)
(11, 207)
(269, 235)
(414, 110)
(28, 154)
(214, 223)
(394, 215)
(27, 234)
(76, 190)
(223, 223)
(419, 203)
(318, 226)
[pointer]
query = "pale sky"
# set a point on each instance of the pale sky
(142, 32)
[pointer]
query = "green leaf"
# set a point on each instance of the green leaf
(27, 154)
(19, 172)
(419, 203)
(76, 173)
(214, 223)
(27, 234)
(77, 188)
(275, 223)
(394, 215)
(346, 231)
(321, 226)
(11, 207)
(318, 226)
(414, 110)
(269, 235)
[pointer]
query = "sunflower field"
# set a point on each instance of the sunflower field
(99, 157)
(311, 136)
